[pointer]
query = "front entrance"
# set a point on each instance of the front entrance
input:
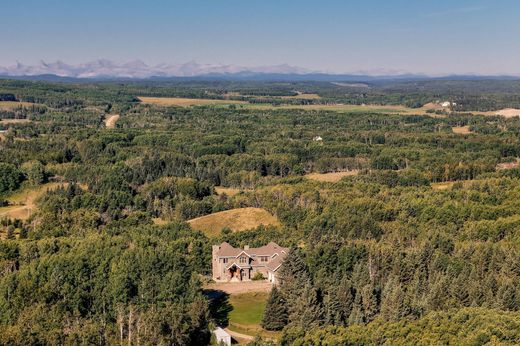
(235, 273)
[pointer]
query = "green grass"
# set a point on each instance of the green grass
(248, 308)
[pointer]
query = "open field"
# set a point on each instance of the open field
(506, 112)
(236, 219)
(110, 120)
(246, 316)
(185, 102)
(14, 104)
(330, 177)
(302, 96)
(248, 308)
(23, 204)
(342, 108)
(461, 130)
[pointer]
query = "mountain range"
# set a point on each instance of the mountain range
(138, 70)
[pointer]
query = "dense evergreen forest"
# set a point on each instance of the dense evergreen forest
(421, 246)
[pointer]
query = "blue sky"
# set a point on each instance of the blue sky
(441, 36)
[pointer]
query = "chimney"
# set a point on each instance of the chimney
(246, 247)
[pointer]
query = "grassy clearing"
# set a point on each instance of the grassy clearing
(342, 108)
(461, 130)
(23, 203)
(248, 311)
(185, 102)
(506, 113)
(302, 96)
(237, 220)
(248, 308)
(330, 177)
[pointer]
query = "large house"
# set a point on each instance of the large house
(235, 264)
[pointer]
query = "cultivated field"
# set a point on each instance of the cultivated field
(330, 177)
(342, 108)
(236, 219)
(185, 102)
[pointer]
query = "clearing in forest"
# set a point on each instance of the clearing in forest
(330, 177)
(237, 220)
(185, 102)
(506, 113)
(461, 130)
(23, 204)
(110, 120)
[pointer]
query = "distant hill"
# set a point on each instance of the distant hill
(102, 70)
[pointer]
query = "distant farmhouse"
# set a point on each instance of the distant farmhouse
(235, 264)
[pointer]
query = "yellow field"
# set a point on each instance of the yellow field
(302, 96)
(185, 102)
(461, 130)
(23, 204)
(341, 108)
(236, 219)
(506, 113)
(14, 104)
(330, 177)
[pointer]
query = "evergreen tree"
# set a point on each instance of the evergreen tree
(294, 277)
(275, 315)
(307, 310)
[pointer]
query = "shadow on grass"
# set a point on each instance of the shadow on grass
(219, 307)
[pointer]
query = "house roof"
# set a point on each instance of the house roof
(276, 262)
(241, 265)
(227, 250)
(267, 250)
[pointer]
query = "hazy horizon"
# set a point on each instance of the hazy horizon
(404, 36)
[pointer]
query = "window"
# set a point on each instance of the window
(224, 260)
(243, 259)
(264, 259)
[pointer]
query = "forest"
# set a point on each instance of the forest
(420, 245)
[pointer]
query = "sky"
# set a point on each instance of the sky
(338, 36)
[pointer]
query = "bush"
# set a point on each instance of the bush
(258, 276)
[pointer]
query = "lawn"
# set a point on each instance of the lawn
(248, 308)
